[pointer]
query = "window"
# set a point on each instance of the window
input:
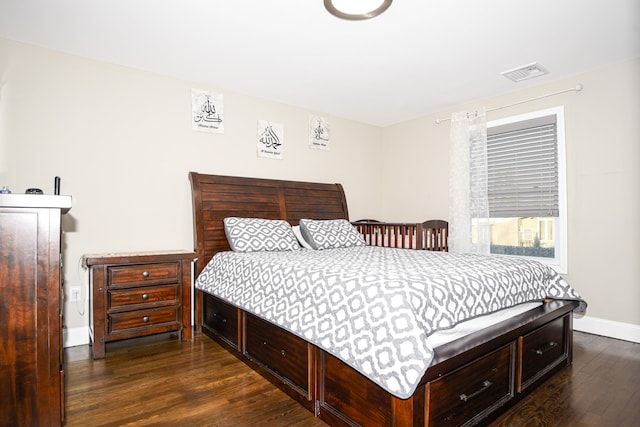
(526, 186)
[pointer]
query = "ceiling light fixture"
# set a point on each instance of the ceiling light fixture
(356, 9)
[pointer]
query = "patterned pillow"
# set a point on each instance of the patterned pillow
(256, 234)
(298, 234)
(329, 234)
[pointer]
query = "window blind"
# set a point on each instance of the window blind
(522, 160)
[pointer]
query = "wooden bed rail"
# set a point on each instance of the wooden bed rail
(431, 235)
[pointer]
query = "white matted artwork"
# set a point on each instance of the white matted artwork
(207, 111)
(270, 139)
(319, 132)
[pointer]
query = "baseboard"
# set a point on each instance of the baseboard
(72, 337)
(607, 328)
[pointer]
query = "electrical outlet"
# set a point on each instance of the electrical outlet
(74, 293)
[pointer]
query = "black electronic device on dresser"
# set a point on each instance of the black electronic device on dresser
(31, 362)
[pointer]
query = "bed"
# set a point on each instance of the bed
(472, 374)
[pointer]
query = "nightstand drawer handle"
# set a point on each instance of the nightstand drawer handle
(145, 274)
(145, 296)
(145, 319)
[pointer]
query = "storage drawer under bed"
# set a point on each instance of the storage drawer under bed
(221, 318)
(473, 391)
(278, 350)
(542, 350)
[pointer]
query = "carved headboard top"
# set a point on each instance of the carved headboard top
(216, 197)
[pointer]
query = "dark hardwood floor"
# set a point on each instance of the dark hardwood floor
(600, 389)
(162, 381)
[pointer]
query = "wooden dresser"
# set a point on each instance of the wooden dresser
(138, 294)
(31, 363)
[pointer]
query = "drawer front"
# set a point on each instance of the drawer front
(470, 393)
(145, 321)
(277, 349)
(542, 349)
(142, 273)
(362, 402)
(140, 297)
(222, 318)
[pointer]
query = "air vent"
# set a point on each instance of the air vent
(525, 72)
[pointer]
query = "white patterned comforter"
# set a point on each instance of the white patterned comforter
(373, 307)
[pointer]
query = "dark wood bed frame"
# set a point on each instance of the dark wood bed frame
(471, 380)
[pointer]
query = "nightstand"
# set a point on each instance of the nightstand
(137, 294)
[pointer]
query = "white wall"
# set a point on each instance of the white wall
(121, 141)
(603, 179)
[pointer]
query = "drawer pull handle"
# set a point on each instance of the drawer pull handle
(283, 353)
(145, 274)
(145, 296)
(546, 348)
(219, 318)
(145, 319)
(485, 386)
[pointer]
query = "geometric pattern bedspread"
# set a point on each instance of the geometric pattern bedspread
(373, 307)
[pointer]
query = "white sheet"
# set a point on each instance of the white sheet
(467, 327)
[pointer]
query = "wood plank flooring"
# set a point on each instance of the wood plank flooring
(600, 389)
(161, 381)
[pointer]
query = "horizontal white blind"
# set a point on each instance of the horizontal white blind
(523, 169)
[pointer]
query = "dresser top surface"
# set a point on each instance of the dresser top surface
(35, 201)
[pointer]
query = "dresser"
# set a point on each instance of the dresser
(138, 294)
(31, 362)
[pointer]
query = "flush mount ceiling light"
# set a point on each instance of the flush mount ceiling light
(356, 9)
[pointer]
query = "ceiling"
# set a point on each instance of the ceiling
(418, 58)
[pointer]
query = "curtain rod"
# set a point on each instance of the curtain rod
(577, 88)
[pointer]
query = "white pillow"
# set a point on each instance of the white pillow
(298, 234)
(330, 234)
(257, 234)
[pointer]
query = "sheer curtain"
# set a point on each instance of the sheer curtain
(469, 229)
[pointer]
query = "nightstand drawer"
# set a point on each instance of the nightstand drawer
(139, 274)
(473, 391)
(144, 319)
(121, 299)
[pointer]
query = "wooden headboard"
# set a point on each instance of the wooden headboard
(216, 197)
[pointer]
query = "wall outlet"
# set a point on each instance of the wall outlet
(74, 293)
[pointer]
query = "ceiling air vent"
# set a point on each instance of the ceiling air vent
(525, 72)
